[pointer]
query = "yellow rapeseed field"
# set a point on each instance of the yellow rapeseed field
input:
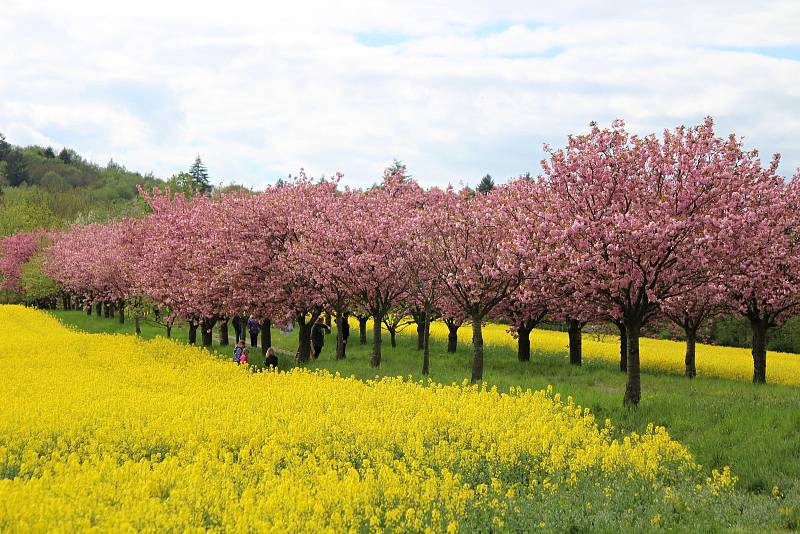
(119, 434)
(657, 354)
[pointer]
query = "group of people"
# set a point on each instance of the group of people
(241, 354)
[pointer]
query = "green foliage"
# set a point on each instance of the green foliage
(26, 208)
(58, 191)
(486, 185)
(37, 287)
(199, 177)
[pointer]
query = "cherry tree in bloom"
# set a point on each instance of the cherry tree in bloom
(276, 268)
(634, 215)
(375, 250)
(181, 263)
(477, 267)
(690, 311)
(15, 251)
(94, 262)
(762, 252)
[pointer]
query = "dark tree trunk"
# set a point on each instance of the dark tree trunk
(524, 343)
(328, 322)
(207, 327)
(362, 329)
(223, 333)
(375, 361)
(122, 312)
(393, 336)
(237, 327)
(452, 336)
(340, 345)
(633, 388)
(266, 335)
(113, 309)
(89, 310)
(421, 335)
(304, 337)
(691, 340)
(107, 310)
(98, 308)
(575, 342)
(477, 347)
(138, 326)
(192, 333)
(169, 330)
(759, 327)
(623, 346)
(426, 354)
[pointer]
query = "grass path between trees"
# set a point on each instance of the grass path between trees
(754, 429)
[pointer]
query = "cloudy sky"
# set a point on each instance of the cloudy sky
(453, 89)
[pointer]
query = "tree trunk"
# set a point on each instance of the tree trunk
(623, 347)
(237, 327)
(89, 310)
(223, 333)
(107, 310)
(426, 354)
(477, 347)
(421, 334)
(340, 346)
(575, 342)
(208, 331)
(137, 325)
(759, 327)
(266, 335)
(691, 340)
(633, 388)
(375, 362)
(122, 312)
(112, 309)
(393, 336)
(98, 308)
(452, 336)
(523, 343)
(304, 338)
(169, 330)
(192, 333)
(362, 329)
(328, 322)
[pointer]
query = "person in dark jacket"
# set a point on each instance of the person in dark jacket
(271, 359)
(254, 328)
(318, 336)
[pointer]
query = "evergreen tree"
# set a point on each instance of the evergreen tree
(65, 155)
(486, 185)
(199, 176)
(15, 172)
(49, 153)
(397, 168)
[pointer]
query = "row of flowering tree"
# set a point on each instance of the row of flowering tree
(618, 228)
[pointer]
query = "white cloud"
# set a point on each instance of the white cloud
(459, 90)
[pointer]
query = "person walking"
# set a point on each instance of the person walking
(318, 336)
(271, 359)
(254, 328)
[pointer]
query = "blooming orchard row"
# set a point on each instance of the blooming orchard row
(617, 228)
